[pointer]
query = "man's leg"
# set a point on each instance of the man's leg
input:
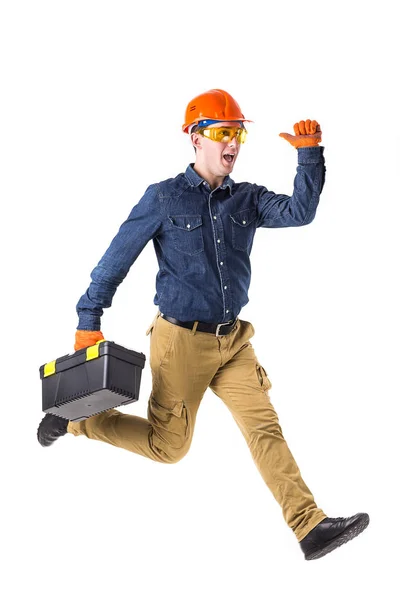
(182, 369)
(243, 385)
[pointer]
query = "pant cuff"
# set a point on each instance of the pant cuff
(317, 518)
(74, 428)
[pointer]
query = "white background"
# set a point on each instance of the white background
(92, 101)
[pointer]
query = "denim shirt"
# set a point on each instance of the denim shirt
(203, 240)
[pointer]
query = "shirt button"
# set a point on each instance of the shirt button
(227, 310)
(219, 241)
(244, 222)
(188, 226)
(221, 263)
(214, 217)
(225, 287)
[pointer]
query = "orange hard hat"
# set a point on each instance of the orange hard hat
(216, 104)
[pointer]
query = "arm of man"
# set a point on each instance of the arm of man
(141, 226)
(281, 210)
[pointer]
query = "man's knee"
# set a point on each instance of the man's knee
(173, 455)
(169, 454)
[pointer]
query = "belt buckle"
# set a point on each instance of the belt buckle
(218, 328)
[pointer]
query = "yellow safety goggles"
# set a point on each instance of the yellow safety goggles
(224, 134)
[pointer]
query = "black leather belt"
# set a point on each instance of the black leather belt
(217, 329)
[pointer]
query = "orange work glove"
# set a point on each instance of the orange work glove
(307, 133)
(84, 338)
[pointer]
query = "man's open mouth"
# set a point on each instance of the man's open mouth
(229, 157)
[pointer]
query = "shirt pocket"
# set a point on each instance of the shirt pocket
(187, 233)
(243, 228)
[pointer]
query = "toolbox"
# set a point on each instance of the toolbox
(91, 380)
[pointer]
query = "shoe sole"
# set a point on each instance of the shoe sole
(346, 535)
(41, 437)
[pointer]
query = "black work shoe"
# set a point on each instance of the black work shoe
(51, 427)
(332, 533)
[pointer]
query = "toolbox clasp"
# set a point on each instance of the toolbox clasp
(93, 351)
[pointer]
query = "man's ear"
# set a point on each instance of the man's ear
(196, 140)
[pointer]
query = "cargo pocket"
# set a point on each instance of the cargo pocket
(243, 228)
(187, 233)
(166, 411)
(170, 425)
(263, 378)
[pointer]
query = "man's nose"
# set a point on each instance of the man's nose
(233, 143)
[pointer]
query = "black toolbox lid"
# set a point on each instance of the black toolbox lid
(104, 347)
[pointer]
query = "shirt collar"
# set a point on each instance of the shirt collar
(195, 180)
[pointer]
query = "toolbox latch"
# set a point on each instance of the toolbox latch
(49, 368)
(93, 351)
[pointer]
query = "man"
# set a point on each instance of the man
(202, 225)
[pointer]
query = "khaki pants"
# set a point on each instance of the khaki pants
(184, 363)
